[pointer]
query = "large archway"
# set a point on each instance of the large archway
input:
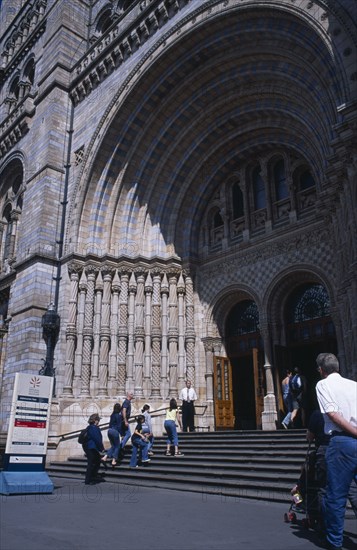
(211, 107)
(303, 327)
(244, 347)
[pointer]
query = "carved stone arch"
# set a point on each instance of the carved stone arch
(298, 171)
(13, 87)
(104, 19)
(123, 5)
(228, 186)
(13, 167)
(279, 290)
(221, 306)
(28, 72)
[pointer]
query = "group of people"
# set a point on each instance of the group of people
(142, 439)
(333, 428)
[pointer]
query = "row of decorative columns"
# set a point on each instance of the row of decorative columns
(129, 329)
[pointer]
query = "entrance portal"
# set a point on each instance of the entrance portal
(245, 374)
(248, 392)
(310, 331)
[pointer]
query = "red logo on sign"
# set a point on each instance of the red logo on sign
(35, 382)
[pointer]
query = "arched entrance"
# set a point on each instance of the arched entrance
(239, 379)
(309, 331)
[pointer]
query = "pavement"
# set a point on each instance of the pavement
(111, 516)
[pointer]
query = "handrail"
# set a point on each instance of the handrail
(73, 435)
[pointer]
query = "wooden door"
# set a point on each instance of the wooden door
(223, 394)
(259, 387)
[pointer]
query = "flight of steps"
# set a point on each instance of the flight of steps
(249, 464)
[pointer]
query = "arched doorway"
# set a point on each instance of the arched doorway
(244, 366)
(309, 331)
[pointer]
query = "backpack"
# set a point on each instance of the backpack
(295, 384)
(83, 436)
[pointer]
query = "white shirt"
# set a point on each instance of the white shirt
(188, 394)
(337, 394)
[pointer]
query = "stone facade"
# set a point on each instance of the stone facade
(160, 162)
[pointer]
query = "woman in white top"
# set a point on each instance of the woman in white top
(172, 415)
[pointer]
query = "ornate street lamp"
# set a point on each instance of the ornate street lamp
(50, 330)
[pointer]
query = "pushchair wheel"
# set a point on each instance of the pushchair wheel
(286, 518)
(305, 523)
(292, 517)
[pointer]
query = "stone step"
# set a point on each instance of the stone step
(273, 490)
(249, 465)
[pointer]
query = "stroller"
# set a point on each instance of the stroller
(305, 496)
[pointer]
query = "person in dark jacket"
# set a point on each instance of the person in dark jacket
(139, 442)
(115, 426)
(93, 447)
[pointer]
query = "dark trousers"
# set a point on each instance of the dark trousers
(93, 464)
(188, 416)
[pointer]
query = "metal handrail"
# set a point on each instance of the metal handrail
(158, 412)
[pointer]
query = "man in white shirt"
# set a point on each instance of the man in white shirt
(337, 398)
(188, 397)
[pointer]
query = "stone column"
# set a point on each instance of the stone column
(15, 216)
(190, 336)
(80, 326)
(2, 227)
(123, 333)
(246, 206)
(292, 191)
(147, 330)
(88, 334)
(164, 338)
(209, 368)
(269, 208)
(139, 336)
(98, 296)
(156, 337)
(269, 415)
(173, 336)
(181, 331)
(131, 336)
(105, 335)
(71, 337)
(114, 322)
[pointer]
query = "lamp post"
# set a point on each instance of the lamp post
(50, 330)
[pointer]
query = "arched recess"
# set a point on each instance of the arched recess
(12, 189)
(203, 119)
(238, 376)
(296, 343)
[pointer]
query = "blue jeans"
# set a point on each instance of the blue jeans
(126, 437)
(138, 444)
(114, 438)
(289, 407)
(341, 462)
(150, 440)
(170, 427)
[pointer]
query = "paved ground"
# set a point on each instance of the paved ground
(111, 516)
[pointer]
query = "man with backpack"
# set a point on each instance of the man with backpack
(297, 386)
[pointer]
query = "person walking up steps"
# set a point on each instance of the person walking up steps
(172, 415)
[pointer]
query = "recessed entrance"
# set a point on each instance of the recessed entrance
(310, 331)
(239, 380)
(243, 393)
